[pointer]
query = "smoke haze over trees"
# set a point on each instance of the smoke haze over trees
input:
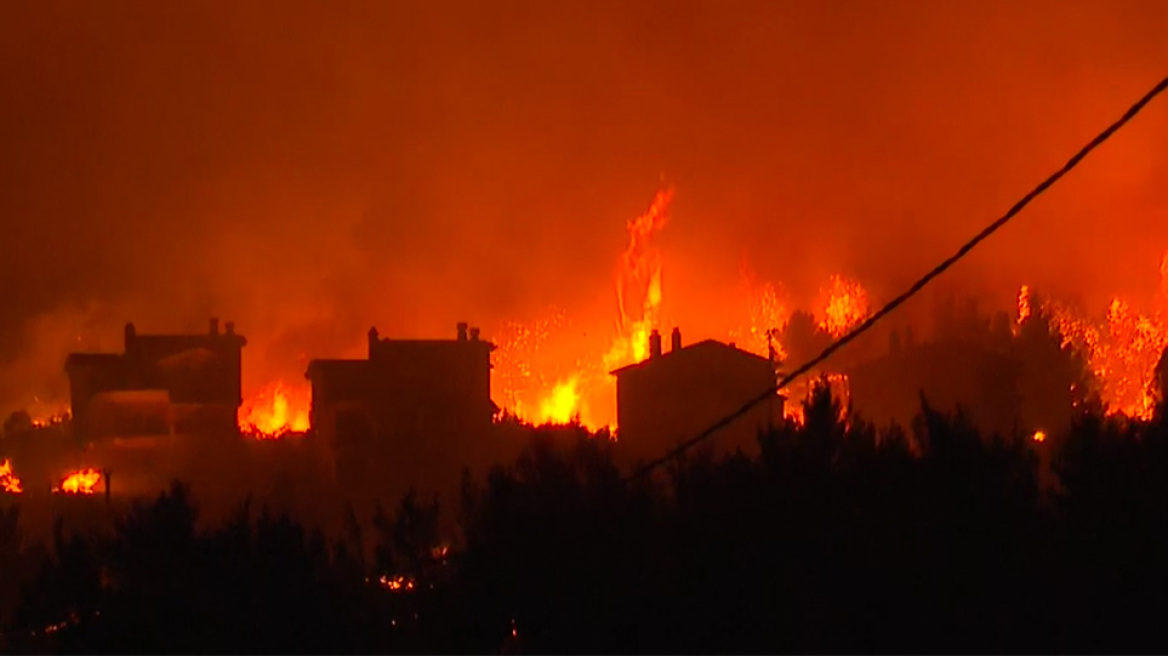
(311, 170)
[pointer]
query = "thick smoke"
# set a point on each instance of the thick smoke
(310, 169)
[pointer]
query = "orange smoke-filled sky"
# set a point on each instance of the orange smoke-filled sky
(309, 169)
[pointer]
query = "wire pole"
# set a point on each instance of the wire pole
(917, 286)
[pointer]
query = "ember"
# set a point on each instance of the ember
(9, 483)
(396, 583)
(80, 482)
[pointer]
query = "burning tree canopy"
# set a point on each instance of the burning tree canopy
(1122, 347)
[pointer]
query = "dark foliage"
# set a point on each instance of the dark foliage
(836, 537)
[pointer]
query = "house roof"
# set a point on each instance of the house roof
(328, 368)
(178, 343)
(704, 346)
(92, 360)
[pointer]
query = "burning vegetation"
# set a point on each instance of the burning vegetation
(844, 304)
(81, 482)
(1122, 346)
(9, 483)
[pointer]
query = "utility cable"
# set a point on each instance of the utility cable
(916, 287)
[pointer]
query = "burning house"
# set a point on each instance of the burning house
(669, 397)
(161, 384)
(407, 412)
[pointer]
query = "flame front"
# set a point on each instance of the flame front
(9, 483)
(276, 410)
(1122, 353)
(80, 482)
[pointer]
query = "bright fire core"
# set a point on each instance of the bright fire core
(9, 483)
(276, 411)
(84, 481)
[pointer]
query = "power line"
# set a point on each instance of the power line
(916, 287)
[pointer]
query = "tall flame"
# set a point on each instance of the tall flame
(276, 410)
(9, 483)
(80, 482)
(536, 383)
(638, 285)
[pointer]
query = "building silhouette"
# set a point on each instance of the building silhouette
(161, 384)
(671, 397)
(951, 372)
(411, 411)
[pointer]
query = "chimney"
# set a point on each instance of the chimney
(462, 331)
(229, 328)
(654, 344)
(474, 334)
(675, 340)
(105, 476)
(373, 337)
(129, 335)
(214, 331)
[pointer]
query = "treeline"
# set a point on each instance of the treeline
(836, 537)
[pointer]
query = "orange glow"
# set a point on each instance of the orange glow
(793, 412)
(1039, 436)
(9, 483)
(44, 414)
(79, 482)
(276, 410)
(1164, 279)
(843, 305)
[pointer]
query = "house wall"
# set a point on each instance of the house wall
(662, 404)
